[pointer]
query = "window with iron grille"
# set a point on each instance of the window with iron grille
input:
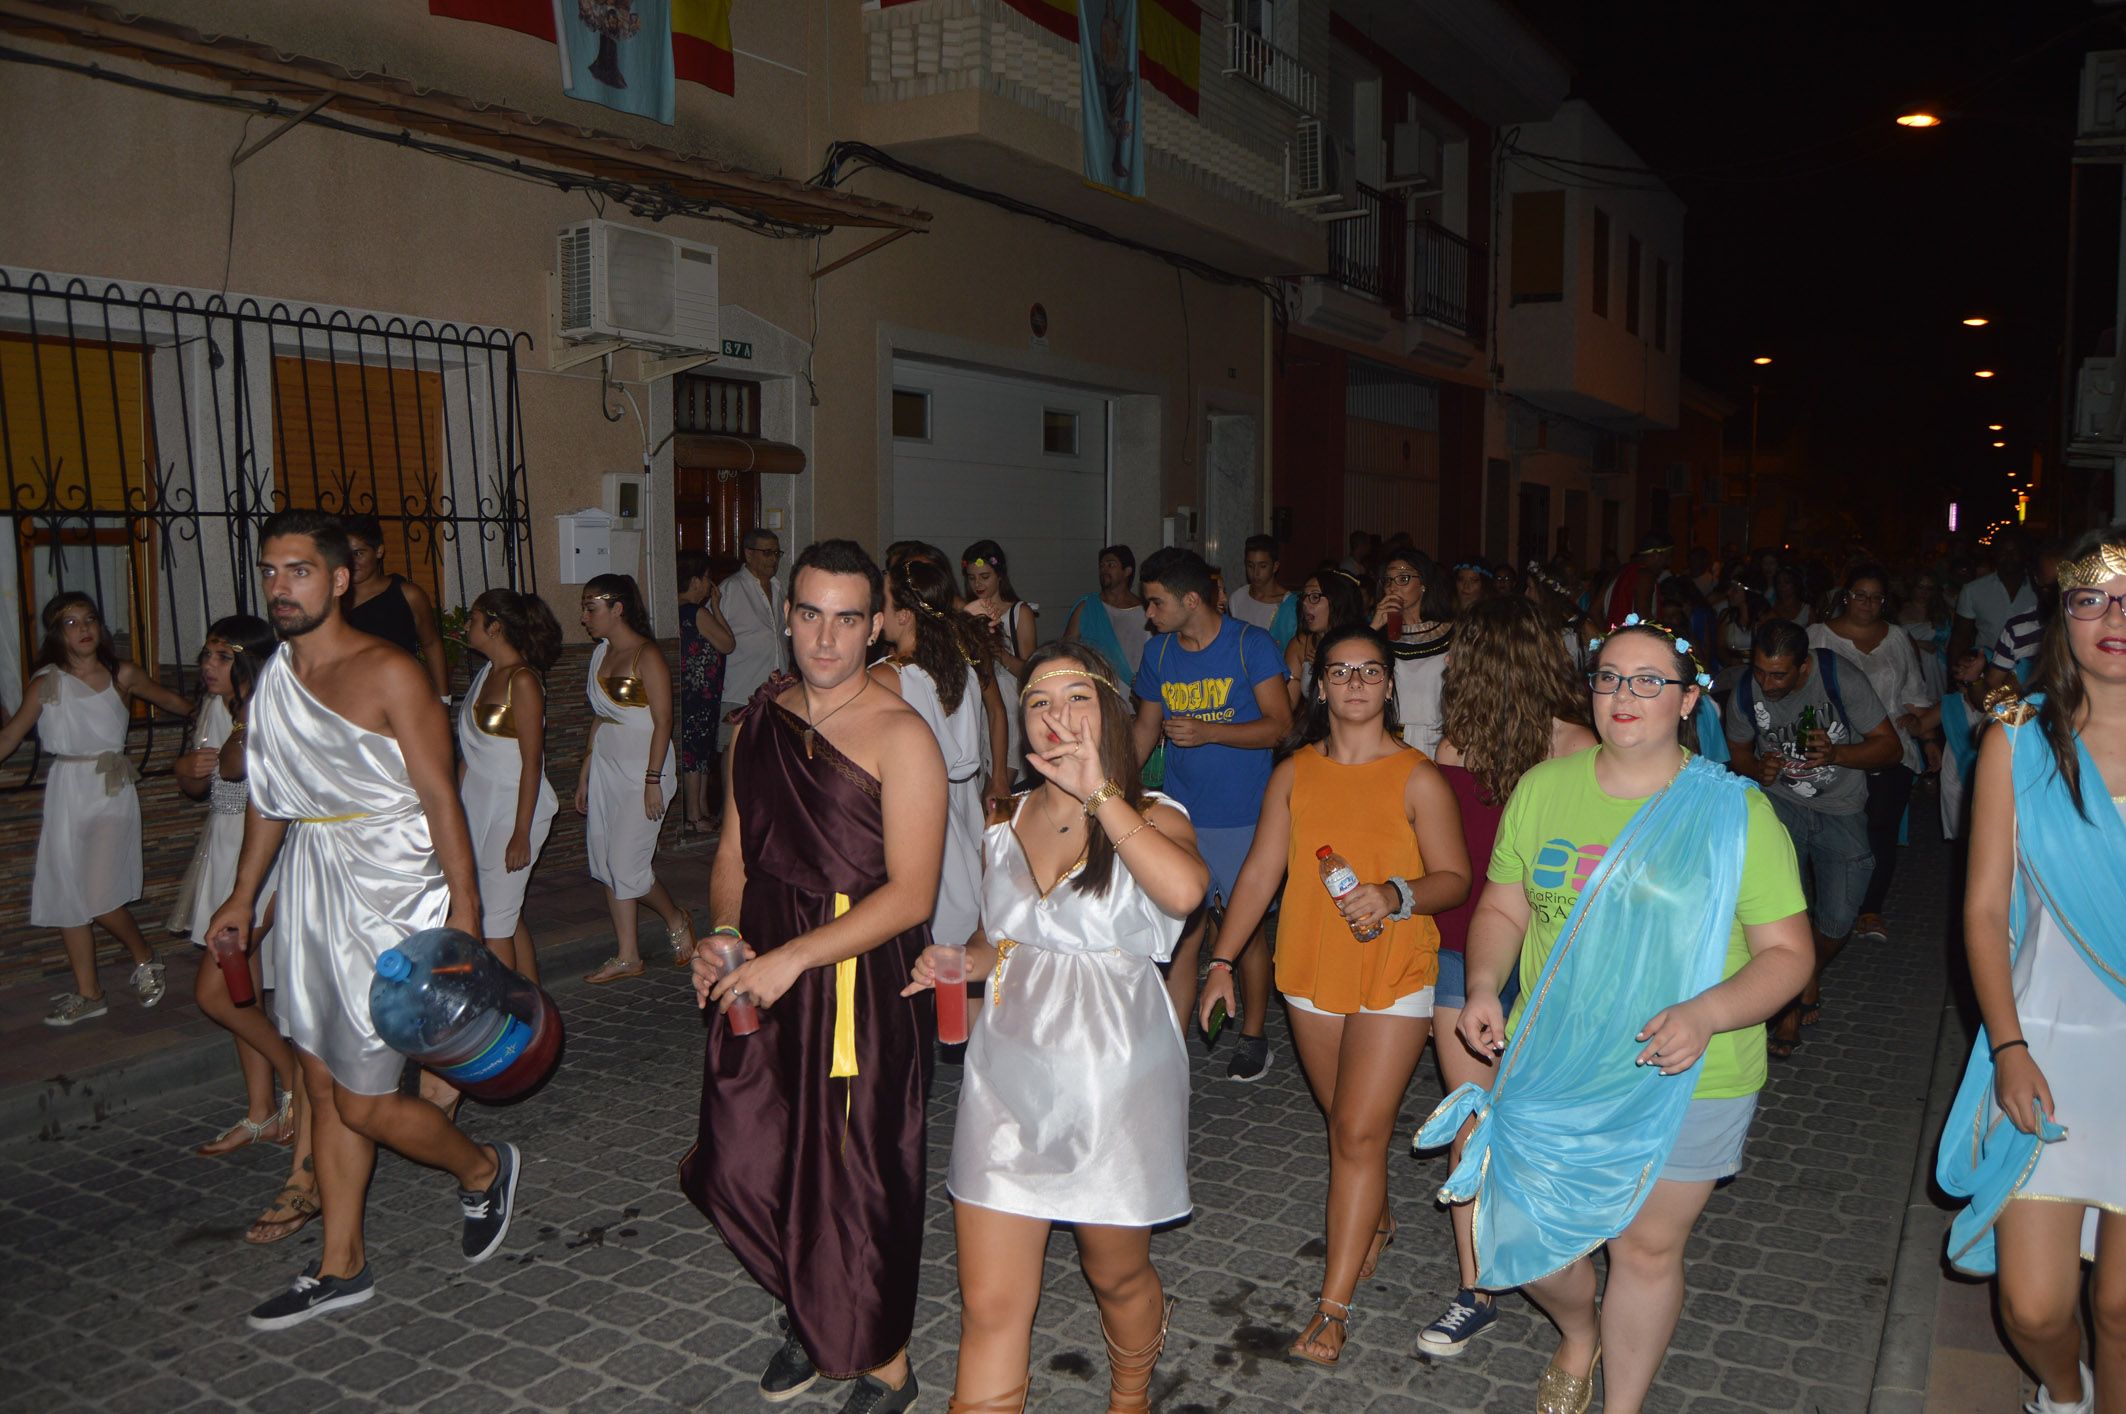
(727, 405)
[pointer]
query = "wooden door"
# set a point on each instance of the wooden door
(715, 510)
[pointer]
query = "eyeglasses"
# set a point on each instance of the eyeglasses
(1313, 596)
(776, 551)
(1398, 580)
(1341, 673)
(1862, 596)
(2090, 604)
(1606, 681)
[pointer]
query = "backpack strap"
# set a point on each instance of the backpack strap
(1827, 664)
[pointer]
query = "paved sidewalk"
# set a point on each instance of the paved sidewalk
(123, 1278)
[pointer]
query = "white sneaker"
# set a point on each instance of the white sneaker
(148, 982)
(2046, 1404)
(70, 1007)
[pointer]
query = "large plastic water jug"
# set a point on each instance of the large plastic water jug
(442, 999)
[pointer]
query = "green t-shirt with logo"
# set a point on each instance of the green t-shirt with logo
(1555, 831)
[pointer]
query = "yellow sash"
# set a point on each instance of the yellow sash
(844, 1066)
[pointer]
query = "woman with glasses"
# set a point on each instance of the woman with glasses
(1329, 599)
(1356, 969)
(629, 770)
(2036, 1139)
(79, 701)
(1624, 878)
(1861, 634)
(1513, 698)
(1416, 613)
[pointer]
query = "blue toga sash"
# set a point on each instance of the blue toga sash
(1096, 630)
(1573, 1133)
(2077, 867)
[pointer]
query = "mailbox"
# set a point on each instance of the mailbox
(586, 545)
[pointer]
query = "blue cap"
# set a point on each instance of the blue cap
(394, 966)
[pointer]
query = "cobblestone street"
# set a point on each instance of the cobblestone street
(124, 1279)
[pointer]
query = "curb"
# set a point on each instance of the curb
(1905, 1354)
(47, 1109)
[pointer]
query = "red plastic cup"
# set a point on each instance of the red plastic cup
(235, 968)
(950, 963)
(743, 1017)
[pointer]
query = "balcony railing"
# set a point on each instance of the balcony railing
(1365, 251)
(1439, 285)
(1263, 64)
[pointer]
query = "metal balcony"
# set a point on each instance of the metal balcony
(1251, 57)
(1419, 270)
(1439, 285)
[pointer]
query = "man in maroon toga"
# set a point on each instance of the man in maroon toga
(811, 1155)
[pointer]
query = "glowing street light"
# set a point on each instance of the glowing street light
(2000, 444)
(1977, 321)
(1993, 427)
(1761, 360)
(1983, 373)
(1918, 120)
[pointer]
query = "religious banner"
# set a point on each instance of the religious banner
(700, 48)
(618, 53)
(1111, 108)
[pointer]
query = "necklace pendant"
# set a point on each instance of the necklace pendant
(808, 743)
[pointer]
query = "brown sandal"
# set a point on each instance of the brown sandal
(1382, 1236)
(1317, 1327)
(302, 1205)
(1129, 1372)
(612, 970)
(1012, 1403)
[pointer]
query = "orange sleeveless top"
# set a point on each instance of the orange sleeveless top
(1358, 812)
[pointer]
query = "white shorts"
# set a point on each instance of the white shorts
(1417, 1004)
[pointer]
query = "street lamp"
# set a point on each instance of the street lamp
(1983, 373)
(1993, 427)
(1918, 120)
(1761, 360)
(2000, 444)
(1977, 321)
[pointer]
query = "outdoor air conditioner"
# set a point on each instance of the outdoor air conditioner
(1324, 177)
(2103, 109)
(1413, 159)
(647, 288)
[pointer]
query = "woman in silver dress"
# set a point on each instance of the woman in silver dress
(1085, 886)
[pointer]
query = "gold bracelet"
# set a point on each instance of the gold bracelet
(1108, 791)
(1142, 826)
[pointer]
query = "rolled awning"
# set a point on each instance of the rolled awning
(719, 451)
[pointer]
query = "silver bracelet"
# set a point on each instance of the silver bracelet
(1402, 889)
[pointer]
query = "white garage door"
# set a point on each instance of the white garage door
(1007, 459)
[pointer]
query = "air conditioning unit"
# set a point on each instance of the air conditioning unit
(1413, 159)
(2097, 406)
(1323, 180)
(650, 289)
(2103, 107)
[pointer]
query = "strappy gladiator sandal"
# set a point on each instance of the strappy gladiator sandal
(276, 1130)
(1129, 1372)
(1302, 1348)
(1012, 1403)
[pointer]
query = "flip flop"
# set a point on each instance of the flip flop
(612, 970)
(1382, 1236)
(1318, 1327)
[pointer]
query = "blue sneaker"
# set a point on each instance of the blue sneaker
(1464, 1320)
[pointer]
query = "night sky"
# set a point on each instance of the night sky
(1848, 248)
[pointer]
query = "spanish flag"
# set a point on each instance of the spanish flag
(701, 43)
(1169, 40)
(532, 17)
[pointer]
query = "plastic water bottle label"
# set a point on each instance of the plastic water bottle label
(501, 1053)
(1341, 882)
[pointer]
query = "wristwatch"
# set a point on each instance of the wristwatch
(1402, 890)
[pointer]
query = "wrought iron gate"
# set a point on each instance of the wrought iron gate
(146, 437)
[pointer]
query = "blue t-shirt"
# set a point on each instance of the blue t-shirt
(1220, 785)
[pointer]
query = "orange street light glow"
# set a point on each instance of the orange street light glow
(1760, 360)
(1977, 321)
(1918, 120)
(2000, 444)
(1993, 427)
(1983, 373)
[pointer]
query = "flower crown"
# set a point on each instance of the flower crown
(1485, 570)
(1548, 580)
(978, 562)
(1682, 646)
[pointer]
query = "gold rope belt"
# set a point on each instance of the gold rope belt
(331, 819)
(115, 767)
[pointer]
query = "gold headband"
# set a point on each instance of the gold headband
(2102, 563)
(1078, 672)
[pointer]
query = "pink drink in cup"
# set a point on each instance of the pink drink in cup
(235, 967)
(950, 962)
(743, 1017)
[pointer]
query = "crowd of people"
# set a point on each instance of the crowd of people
(1597, 838)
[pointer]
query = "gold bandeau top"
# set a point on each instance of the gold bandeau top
(629, 690)
(498, 718)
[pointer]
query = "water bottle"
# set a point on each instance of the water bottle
(1339, 879)
(443, 1000)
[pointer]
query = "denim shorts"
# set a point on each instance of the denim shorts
(1224, 849)
(1835, 858)
(1452, 989)
(1709, 1146)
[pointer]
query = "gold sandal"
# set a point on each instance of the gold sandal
(1129, 1372)
(1317, 1326)
(612, 970)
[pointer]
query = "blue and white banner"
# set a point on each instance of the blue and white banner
(618, 53)
(1111, 99)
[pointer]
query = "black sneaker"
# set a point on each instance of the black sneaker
(310, 1295)
(487, 1213)
(872, 1395)
(790, 1373)
(1251, 1059)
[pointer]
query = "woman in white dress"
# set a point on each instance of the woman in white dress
(1074, 1100)
(79, 702)
(630, 771)
(236, 648)
(509, 804)
(934, 670)
(1014, 626)
(2045, 929)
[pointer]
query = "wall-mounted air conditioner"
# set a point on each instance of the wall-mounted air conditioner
(1323, 178)
(650, 289)
(1413, 159)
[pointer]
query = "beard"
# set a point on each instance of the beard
(298, 625)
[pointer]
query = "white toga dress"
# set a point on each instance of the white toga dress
(963, 738)
(620, 840)
(1074, 1100)
(88, 853)
(494, 770)
(2076, 1027)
